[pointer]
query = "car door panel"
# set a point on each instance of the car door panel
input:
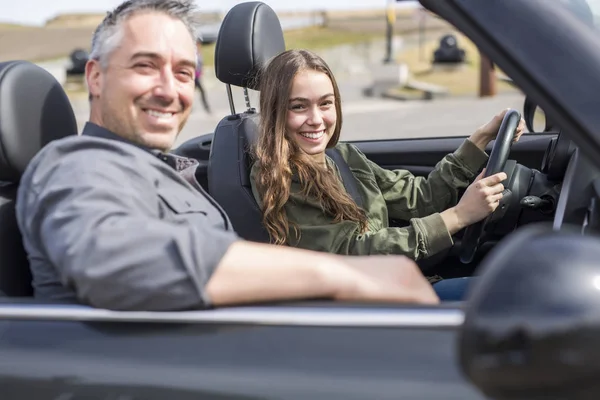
(134, 360)
(421, 155)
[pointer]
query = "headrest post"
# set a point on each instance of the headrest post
(230, 97)
(247, 98)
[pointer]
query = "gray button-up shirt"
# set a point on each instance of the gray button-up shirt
(118, 226)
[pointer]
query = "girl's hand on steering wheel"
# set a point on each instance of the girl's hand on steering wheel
(481, 198)
(488, 132)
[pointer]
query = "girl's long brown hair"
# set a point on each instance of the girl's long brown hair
(278, 158)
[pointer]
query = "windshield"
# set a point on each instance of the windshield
(587, 10)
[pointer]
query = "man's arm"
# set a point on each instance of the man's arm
(108, 247)
(253, 272)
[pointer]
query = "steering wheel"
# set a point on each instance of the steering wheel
(496, 163)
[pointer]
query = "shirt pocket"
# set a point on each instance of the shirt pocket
(181, 204)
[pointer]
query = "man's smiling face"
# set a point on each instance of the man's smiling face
(146, 90)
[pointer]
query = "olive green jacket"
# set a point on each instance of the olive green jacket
(386, 195)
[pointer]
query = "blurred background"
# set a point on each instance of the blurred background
(403, 72)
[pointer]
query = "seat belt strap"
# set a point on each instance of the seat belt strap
(348, 178)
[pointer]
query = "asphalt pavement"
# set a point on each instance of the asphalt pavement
(365, 118)
(377, 118)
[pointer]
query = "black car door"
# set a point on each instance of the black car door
(299, 351)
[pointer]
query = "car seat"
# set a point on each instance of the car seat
(250, 35)
(34, 110)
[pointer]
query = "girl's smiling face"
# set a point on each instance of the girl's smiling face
(311, 116)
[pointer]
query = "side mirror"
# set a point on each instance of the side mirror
(535, 118)
(532, 324)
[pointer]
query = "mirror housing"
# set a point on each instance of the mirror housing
(530, 110)
(532, 323)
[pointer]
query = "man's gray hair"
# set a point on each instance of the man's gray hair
(109, 33)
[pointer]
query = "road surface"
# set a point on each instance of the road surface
(364, 118)
(370, 119)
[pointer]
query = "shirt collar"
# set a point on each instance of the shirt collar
(94, 130)
(178, 163)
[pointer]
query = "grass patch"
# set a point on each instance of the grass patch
(460, 80)
(313, 38)
(9, 26)
(539, 120)
(47, 59)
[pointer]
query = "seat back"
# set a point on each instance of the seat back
(15, 276)
(34, 110)
(249, 37)
(229, 174)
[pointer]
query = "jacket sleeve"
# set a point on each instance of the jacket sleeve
(425, 235)
(94, 215)
(414, 199)
(422, 238)
(408, 196)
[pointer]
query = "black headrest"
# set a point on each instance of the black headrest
(34, 110)
(249, 36)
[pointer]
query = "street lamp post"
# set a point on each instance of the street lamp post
(487, 77)
(390, 21)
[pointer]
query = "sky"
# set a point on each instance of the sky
(36, 12)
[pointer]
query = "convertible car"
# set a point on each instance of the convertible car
(526, 331)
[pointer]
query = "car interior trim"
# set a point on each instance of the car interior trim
(446, 317)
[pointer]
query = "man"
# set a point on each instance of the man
(110, 219)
